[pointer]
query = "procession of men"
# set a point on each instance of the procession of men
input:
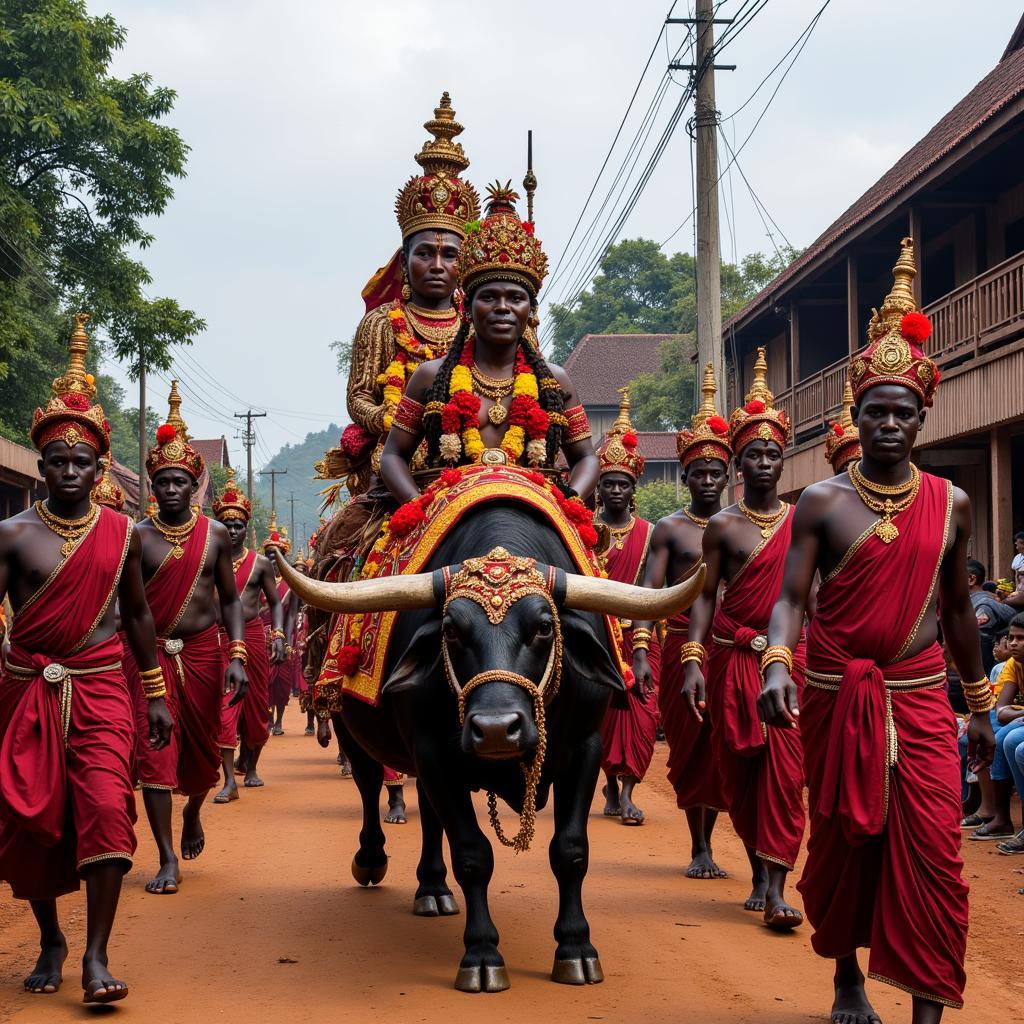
(484, 650)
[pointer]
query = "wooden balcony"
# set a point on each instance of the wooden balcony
(980, 315)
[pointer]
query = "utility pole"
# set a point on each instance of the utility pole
(143, 477)
(273, 474)
(291, 501)
(249, 440)
(709, 255)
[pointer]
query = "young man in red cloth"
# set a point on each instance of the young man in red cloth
(281, 672)
(245, 722)
(67, 723)
(627, 733)
(745, 546)
(676, 545)
(880, 741)
(186, 563)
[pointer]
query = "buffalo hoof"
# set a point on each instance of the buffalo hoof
(446, 905)
(584, 971)
(482, 979)
(435, 906)
(369, 876)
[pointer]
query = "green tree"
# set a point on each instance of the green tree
(665, 400)
(83, 163)
(658, 499)
(640, 290)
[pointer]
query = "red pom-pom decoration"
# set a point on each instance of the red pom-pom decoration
(630, 440)
(916, 328)
(73, 400)
(355, 440)
(754, 407)
(587, 534)
(348, 659)
(536, 478)
(165, 433)
(528, 228)
(718, 425)
(275, 537)
(837, 429)
(450, 477)
(407, 518)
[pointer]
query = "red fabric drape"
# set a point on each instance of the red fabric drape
(762, 769)
(248, 718)
(883, 863)
(170, 587)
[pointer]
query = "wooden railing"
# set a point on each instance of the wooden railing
(981, 314)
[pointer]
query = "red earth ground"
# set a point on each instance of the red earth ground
(269, 927)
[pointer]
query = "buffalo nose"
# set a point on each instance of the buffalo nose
(497, 735)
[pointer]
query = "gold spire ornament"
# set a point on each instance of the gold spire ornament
(620, 452)
(842, 442)
(758, 419)
(708, 436)
(174, 416)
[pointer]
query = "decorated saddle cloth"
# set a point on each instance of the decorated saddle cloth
(358, 649)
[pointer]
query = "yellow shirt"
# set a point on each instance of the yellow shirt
(1013, 672)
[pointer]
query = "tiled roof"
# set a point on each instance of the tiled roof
(602, 363)
(213, 450)
(128, 479)
(995, 91)
(655, 445)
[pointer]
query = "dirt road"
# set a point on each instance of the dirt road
(269, 927)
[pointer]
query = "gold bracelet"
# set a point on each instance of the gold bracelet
(641, 638)
(777, 653)
(277, 633)
(982, 705)
(692, 651)
(643, 644)
(151, 673)
(238, 651)
(153, 684)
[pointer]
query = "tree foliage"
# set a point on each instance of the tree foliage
(665, 400)
(640, 290)
(83, 162)
(658, 499)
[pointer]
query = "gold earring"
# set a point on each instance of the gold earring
(406, 290)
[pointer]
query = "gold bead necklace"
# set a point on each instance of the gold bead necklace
(885, 529)
(441, 332)
(495, 389)
(236, 563)
(71, 530)
(766, 523)
(176, 536)
(620, 533)
(701, 521)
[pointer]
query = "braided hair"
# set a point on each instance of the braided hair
(438, 393)
(551, 399)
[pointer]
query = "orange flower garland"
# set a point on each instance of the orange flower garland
(410, 353)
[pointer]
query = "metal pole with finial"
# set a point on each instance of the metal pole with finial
(530, 181)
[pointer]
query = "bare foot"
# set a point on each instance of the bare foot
(704, 866)
(193, 838)
(851, 1005)
(756, 900)
(98, 984)
(612, 809)
(631, 814)
(47, 976)
(396, 809)
(227, 794)
(166, 881)
(240, 765)
(252, 780)
(779, 915)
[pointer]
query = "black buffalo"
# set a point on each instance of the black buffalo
(416, 727)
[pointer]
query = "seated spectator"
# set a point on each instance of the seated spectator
(1017, 565)
(1009, 713)
(993, 616)
(1000, 655)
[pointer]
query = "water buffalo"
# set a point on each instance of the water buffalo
(447, 639)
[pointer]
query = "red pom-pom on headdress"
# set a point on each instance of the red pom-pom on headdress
(630, 440)
(165, 433)
(837, 429)
(754, 407)
(916, 328)
(718, 425)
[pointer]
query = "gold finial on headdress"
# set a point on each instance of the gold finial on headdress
(623, 424)
(273, 522)
(708, 391)
(441, 155)
(900, 299)
(174, 416)
(759, 389)
(75, 380)
(845, 417)
(530, 181)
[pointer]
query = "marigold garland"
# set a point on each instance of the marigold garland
(410, 353)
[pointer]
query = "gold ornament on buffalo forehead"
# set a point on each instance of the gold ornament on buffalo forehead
(497, 581)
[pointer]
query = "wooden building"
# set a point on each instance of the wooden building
(20, 482)
(959, 194)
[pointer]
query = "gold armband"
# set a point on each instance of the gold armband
(238, 651)
(692, 651)
(641, 639)
(153, 683)
(777, 654)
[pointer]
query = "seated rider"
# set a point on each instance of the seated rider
(493, 399)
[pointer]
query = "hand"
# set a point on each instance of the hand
(694, 690)
(235, 681)
(276, 651)
(643, 682)
(981, 742)
(160, 723)
(323, 731)
(777, 704)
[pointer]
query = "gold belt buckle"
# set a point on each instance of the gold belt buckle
(759, 644)
(174, 646)
(55, 673)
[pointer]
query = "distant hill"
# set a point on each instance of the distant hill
(298, 459)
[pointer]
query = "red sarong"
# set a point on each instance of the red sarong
(279, 686)
(248, 718)
(693, 770)
(883, 860)
(194, 678)
(628, 734)
(66, 797)
(762, 769)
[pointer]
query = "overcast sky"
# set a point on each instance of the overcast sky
(303, 119)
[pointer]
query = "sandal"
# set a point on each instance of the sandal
(1012, 846)
(985, 833)
(975, 821)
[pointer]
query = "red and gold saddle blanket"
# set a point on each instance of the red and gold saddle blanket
(358, 648)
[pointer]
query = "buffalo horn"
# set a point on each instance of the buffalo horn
(594, 594)
(389, 594)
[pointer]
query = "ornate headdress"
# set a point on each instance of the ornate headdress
(708, 436)
(438, 199)
(895, 334)
(620, 452)
(71, 415)
(172, 449)
(231, 503)
(152, 508)
(502, 247)
(842, 443)
(758, 419)
(275, 537)
(108, 491)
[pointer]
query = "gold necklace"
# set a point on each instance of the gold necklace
(893, 489)
(766, 523)
(495, 389)
(448, 314)
(699, 520)
(885, 529)
(236, 563)
(71, 530)
(439, 334)
(176, 536)
(620, 533)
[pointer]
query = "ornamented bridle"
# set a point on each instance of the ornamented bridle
(495, 582)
